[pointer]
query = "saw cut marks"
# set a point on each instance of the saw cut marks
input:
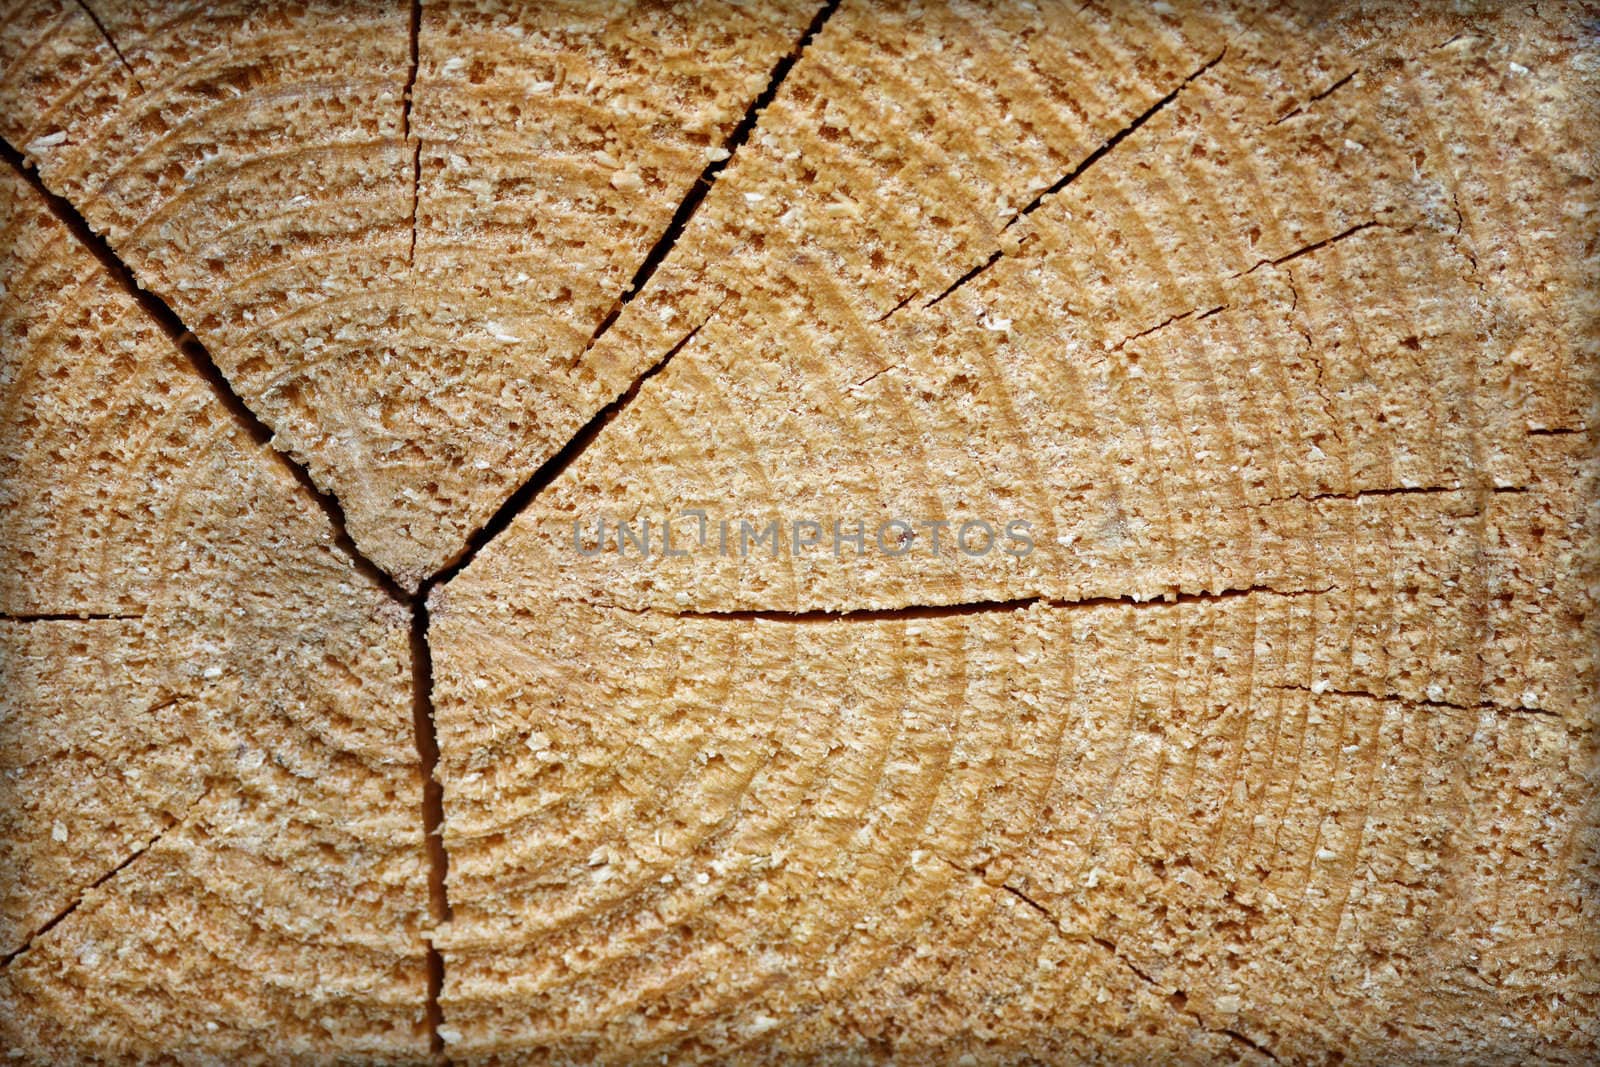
(1273, 329)
(210, 835)
(260, 168)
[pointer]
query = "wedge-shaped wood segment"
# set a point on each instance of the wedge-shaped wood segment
(1308, 347)
(773, 839)
(396, 248)
(1159, 410)
(1173, 402)
(208, 804)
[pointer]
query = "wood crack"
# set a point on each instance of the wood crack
(438, 859)
(994, 257)
(907, 613)
(60, 916)
(68, 616)
(702, 185)
(974, 607)
(1396, 490)
(1463, 240)
(1194, 313)
(1316, 246)
(1113, 141)
(1105, 149)
(112, 42)
(874, 376)
(1329, 91)
(406, 99)
(1426, 702)
(424, 727)
(1174, 999)
(1318, 364)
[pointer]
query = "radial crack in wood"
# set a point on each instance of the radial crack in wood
(934, 533)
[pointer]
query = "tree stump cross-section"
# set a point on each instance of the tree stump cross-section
(776, 532)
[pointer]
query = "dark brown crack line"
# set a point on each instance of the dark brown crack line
(915, 611)
(406, 99)
(427, 739)
(1398, 490)
(56, 919)
(994, 257)
(1115, 953)
(1118, 347)
(983, 607)
(67, 616)
(1482, 705)
(415, 30)
(1030, 902)
(1112, 142)
(1329, 91)
(890, 313)
(1110, 948)
(416, 199)
(200, 359)
(112, 42)
(1106, 147)
(702, 185)
(423, 727)
(1315, 246)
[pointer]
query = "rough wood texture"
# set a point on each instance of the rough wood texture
(258, 167)
(1279, 324)
(208, 798)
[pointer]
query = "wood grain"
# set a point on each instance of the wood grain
(329, 328)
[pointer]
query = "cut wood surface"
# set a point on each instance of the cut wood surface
(210, 779)
(347, 345)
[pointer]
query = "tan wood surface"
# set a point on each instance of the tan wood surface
(326, 325)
